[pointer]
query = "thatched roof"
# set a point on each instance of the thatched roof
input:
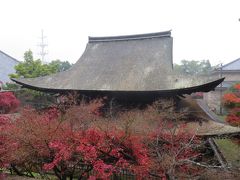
(124, 64)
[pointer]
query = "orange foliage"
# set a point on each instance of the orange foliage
(232, 102)
(231, 98)
(233, 117)
(237, 86)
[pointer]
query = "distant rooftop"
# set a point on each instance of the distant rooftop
(12, 58)
(7, 64)
(231, 66)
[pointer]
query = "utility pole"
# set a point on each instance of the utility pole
(221, 86)
(42, 45)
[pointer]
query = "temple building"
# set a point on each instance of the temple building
(129, 68)
(136, 69)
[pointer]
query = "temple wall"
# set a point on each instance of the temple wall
(232, 76)
(213, 100)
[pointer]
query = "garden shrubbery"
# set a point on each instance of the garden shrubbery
(232, 103)
(74, 140)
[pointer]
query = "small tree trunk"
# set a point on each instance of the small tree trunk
(64, 177)
(16, 170)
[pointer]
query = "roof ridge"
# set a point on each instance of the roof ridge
(9, 56)
(130, 37)
(230, 62)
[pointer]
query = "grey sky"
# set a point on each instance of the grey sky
(202, 29)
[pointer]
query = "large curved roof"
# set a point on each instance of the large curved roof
(135, 63)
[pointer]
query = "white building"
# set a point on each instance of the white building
(7, 64)
(231, 72)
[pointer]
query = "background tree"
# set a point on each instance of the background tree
(31, 68)
(193, 67)
(28, 56)
(59, 66)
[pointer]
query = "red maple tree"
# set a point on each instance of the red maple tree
(8, 102)
(77, 141)
(174, 150)
(68, 144)
(231, 101)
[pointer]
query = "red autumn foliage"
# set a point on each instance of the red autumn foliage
(233, 117)
(173, 149)
(104, 152)
(47, 141)
(8, 102)
(74, 140)
(232, 102)
(3, 124)
(230, 98)
(237, 86)
(26, 138)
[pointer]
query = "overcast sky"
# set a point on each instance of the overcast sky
(201, 29)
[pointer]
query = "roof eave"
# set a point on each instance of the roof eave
(134, 94)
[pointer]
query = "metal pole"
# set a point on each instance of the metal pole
(221, 108)
(42, 45)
